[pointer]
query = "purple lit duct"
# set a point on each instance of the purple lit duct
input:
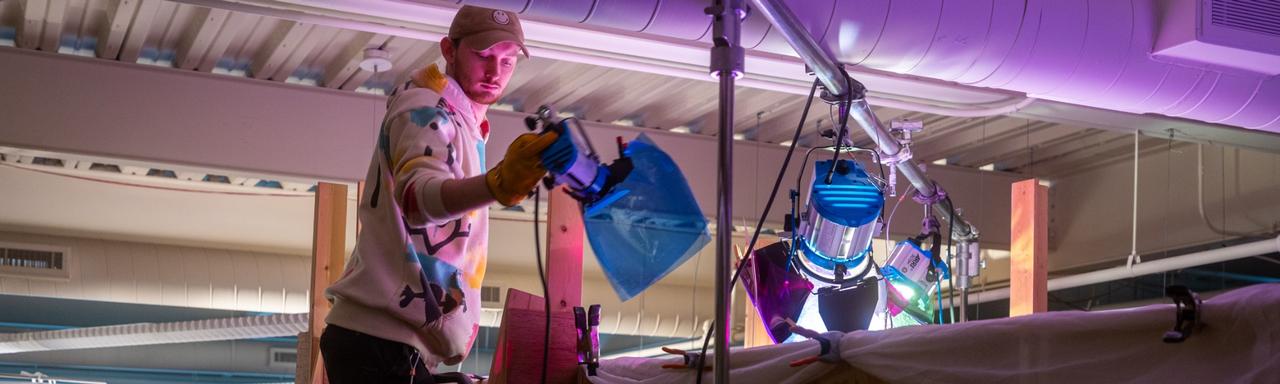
(1096, 53)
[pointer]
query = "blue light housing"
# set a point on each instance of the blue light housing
(851, 199)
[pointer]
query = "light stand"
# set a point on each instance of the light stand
(833, 77)
(726, 64)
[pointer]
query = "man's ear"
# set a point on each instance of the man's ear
(447, 49)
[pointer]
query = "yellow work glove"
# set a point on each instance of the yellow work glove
(519, 171)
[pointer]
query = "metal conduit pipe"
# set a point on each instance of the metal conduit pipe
(1200, 200)
(235, 328)
(1189, 260)
(829, 72)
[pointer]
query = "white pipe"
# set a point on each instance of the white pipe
(1133, 249)
(1241, 251)
(236, 328)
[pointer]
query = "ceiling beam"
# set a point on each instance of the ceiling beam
(119, 16)
(139, 30)
(402, 65)
(1065, 138)
(1084, 154)
(767, 102)
(1085, 138)
(527, 71)
(195, 44)
(570, 96)
(972, 134)
(1029, 139)
(319, 34)
(426, 57)
(611, 103)
(678, 111)
(53, 20)
(781, 124)
(237, 25)
(1102, 155)
(551, 94)
(283, 40)
(348, 60)
(33, 12)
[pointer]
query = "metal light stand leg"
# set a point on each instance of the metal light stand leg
(726, 64)
(968, 264)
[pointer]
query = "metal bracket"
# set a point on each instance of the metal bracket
(1187, 304)
(587, 321)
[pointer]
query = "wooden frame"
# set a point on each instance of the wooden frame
(1029, 246)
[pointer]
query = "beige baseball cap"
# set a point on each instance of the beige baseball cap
(484, 27)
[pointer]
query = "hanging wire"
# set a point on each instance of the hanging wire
(1168, 194)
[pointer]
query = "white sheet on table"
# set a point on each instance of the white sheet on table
(1240, 342)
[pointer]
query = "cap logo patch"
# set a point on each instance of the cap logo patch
(501, 17)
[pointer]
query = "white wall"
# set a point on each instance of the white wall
(1091, 212)
(105, 108)
(129, 272)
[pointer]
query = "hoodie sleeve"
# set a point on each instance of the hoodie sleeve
(417, 138)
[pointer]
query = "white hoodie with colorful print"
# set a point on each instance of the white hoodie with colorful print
(415, 274)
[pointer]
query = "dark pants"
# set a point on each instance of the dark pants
(352, 357)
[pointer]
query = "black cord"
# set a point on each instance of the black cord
(951, 230)
(759, 224)
(845, 103)
(546, 300)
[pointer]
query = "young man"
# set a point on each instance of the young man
(409, 297)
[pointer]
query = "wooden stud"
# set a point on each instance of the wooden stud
(328, 253)
(119, 16)
(278, 48)
(32, 26)
(318, 35)
(139, 30)
(524, 317)
(237, 25)
(51, 39)
(360, 195)
(423, 59)
(193, 46)
(1029, 248)
(565, 236)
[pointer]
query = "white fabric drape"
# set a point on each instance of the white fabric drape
(1239, 342)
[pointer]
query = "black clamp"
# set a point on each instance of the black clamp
(1187, 304)
(587, 322)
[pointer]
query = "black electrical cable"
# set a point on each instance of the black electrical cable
(846, 102)
(759, 224)
(951, 230)
(546, 300)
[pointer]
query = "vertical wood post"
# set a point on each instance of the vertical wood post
(565, 235)
(328, 252)
(1029, 238)
(518, 356)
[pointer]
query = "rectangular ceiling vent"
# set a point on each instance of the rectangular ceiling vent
(1255, 16)
(34, 261)
(1234, 34)
(283, 357)
(491, 296)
